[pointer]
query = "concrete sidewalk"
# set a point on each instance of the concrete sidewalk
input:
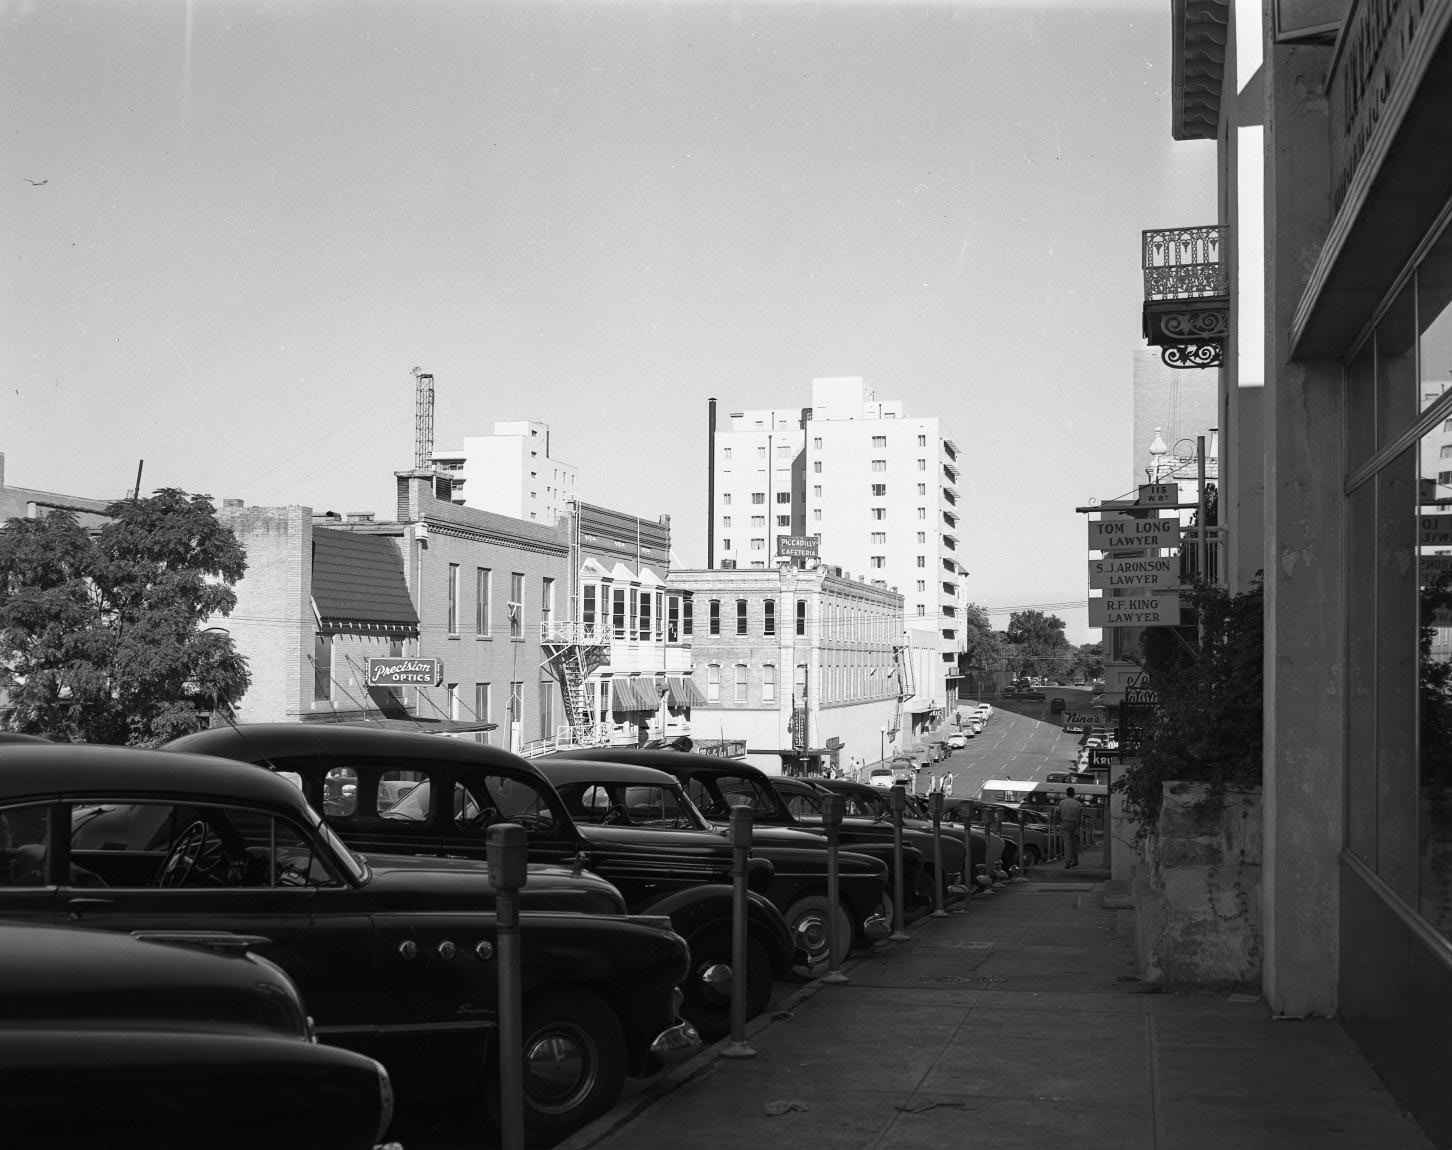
(1018, 1022)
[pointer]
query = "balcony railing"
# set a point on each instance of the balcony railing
(1186, 294)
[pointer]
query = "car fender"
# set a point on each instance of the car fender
(712, 906)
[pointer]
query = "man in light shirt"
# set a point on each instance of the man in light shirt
(1069, 811)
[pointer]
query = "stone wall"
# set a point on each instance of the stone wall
(1197, 891)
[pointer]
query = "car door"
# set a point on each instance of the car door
(30, 873)
(174, 869)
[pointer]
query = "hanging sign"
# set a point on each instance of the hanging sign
(1132, 611)
(1159, 494)
(1152, 571)
(1434, 530)
(395, 672)
(1119, 534)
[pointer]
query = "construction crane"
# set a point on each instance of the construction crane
(423, 420)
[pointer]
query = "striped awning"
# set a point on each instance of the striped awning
(684, 692)
(633, 694)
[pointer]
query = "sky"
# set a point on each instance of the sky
(232, 229)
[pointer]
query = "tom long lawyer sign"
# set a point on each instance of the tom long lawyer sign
(1144, 580)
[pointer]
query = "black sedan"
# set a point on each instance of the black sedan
(107, 1040)
(394, 955)
(410, 793)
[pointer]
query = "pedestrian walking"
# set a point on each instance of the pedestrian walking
(1070, 810)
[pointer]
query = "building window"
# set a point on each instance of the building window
(922, 441)
(922, 464)
(783, 496)
(516, 708)
(758, 497)
(922, 512)
(645, 623)
(922, 584)
(713, 683)
(816, 467)
(453, 598)
(726, 522)
(673, 618)
(740, 682)
(546, 604)
(761, 453)
(878, 561)
(726, 543)
(817, 442)
(688, 616)
(922, 610)
(726, 499)
(922, 536)
(758, 521)
(714, 625)
(482, 578)
(758, 544)
(878, 512)
(922, 560)
(768, 683)
(801, 616)
(816, 491)
(768, 617)
(879, 465)
(516, 604)
(617, 611)
(588, 606)
(741, 616)
(726, 454)
(546, 708)
(879, 489)
(322, 667)
(783, 520)
(879, 538)
(922, 488)
(482, 704)
(816, 515)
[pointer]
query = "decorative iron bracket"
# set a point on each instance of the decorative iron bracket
(1188, 332)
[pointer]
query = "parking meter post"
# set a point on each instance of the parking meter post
(935, 808)
(832, 811)
(897, 799)
(738, 1047)
(507, 846)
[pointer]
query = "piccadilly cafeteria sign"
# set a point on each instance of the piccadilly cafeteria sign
(395, 672)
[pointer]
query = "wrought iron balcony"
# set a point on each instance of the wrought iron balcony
(1186, 295)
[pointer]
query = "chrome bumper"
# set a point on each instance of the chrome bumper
(676, 1043)
(875, 928)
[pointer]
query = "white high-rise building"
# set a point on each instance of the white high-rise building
(511, 472)
(879, 490)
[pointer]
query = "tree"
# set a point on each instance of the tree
(99, 638)
(982, 648)
(1036, 644)
(1088, 662)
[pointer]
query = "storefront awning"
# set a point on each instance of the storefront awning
(917, 704)
(636, 694)
(684, 692)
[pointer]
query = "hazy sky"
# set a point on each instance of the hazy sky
(258, 217)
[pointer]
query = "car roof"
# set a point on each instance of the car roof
(792, 783)
(603, 771)
(264, 741)
(36, 770)
(673, 762)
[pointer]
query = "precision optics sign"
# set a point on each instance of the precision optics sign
(1148, 572)
(1121, 534)
(405, 672)
(1135, 611)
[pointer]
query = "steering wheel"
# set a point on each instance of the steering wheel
(615, 816)
(181, 859)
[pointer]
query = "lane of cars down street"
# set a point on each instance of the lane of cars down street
(305, 913)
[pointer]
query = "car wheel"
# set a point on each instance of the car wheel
(707, 989)
(809, 919)
(1032, 854)
(574, 1065)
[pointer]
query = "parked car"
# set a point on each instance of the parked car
(1032, 693)
(797, 852)
(958, 740)
(880, 777)
(676, 866)
(394, 955)
(108, 1040)
(805, 799)
(905, 771)
(1018, 823)
(875, 804)
(1056, 705)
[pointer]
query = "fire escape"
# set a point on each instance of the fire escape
(573, 651)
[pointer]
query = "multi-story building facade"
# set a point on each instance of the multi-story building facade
(807, 666)
(511, 472)
(878, 489)
(1331, 333)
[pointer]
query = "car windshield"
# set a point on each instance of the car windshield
(656, 806)
(715, 795)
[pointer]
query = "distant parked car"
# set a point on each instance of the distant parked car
(957, 740)
(109, 1040)
(880, 777)
(1056, 705)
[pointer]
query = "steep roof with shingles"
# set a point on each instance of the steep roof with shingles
(358, 582)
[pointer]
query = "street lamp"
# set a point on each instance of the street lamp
(882, 744)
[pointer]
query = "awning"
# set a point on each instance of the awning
(918, 704)
(634, 694)
(683, 691)
(358, 584)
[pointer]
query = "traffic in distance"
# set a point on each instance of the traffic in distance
(348, 870)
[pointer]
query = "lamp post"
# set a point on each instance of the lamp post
(882, 745)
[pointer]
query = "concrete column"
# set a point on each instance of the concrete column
(1305, 588)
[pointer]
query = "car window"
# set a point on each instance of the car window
(24, 845)
(415, 806)
(803, 806)
(187, 845)
(483, 797)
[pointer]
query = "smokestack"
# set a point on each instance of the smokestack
(711, 482)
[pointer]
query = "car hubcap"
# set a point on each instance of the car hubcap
(812, 934)
(715, 981)
(558, 1067)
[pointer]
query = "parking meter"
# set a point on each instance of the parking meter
(897, 802)
(738, 1047)
(507, 846)
(833, 808)
(935, 809)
